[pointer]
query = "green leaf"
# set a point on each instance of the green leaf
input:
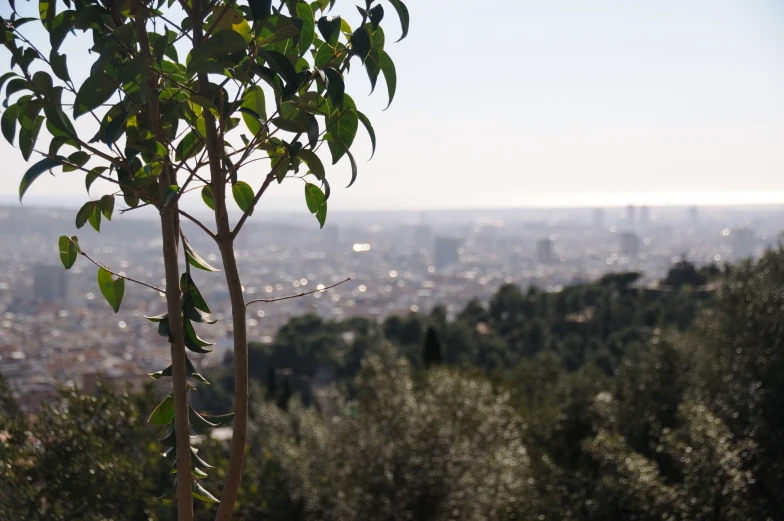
(200, 493)
(94, 92)
(402, 13)
(46, 8)
(8, 123)
(216, 48)
(92, 175)
(59, 65)
(390, 76)
(366, 122)
(197, 420)
(189, 146)
(164, 413)
(342, 126)
(292, 119)
(353, 167)
(107, 206)
(198, 473)
(260, 9)
(192, 340)
(5, 77)
(336, 88)
(329, 27)
(206, 195)
(193, 293)
(376, 15)
(254, 101)
(115, 128)
(95, 217)
(314, 163)
(243, 195)
(28, 135)
(281, 65)
(360, 43)
(33, 172)
(194, 259)
(77, 160)
(305, 12)
(316, 202)
(69, 249)
(112, 290)
(169, 193)
(84, 213)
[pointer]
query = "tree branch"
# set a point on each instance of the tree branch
(81, 252)
(317, 290)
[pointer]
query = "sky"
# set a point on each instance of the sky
(556, 104)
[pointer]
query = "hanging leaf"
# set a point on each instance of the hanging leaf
(376, 15)
(335, 85)
(94, 92)
(112, 290)
(342, 126)
(164, 413)
(69, 249)
(317, 203)
(33, 172)
(107, 206)
(95, 217)
(243, 195)
(189, 146)
(360, 43)
(194, 259)
(207, 197)
(353, 167)
(200, 493)
(390, 76)
(92, 175)
(314, 163)
(84, 213)
(402, 13)
(8, 123)
(76, 161)
(192, 340)
(28, 135)
(188, 286)
(366, 122)
(256, 109)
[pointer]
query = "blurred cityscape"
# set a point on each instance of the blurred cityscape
(56, 328)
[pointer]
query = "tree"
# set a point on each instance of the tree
(431, 355)
(177, 90)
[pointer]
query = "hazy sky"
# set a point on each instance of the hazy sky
(556, 103)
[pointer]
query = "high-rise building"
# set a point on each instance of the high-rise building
(49, 283)
(630, 245)
(631, 216)
(544, 251)
(693, 215)
(598, 218)
(645, 216)
(423, 236)
(743, 242)
(446, 253)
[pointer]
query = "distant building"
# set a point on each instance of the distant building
(631, 216)
(544, 251)
(423, 235)
(49, 283)
(645, 216)
(693, 215)
(630, 245)
(598, 218)
(743, 242)
(446, 251)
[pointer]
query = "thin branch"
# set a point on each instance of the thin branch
(270, 177)
(197, 223)
(81, 252)
(297, 295)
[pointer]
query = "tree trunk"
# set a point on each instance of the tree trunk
(170, 226)
(226, 246)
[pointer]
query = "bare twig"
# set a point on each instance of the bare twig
(317, 290)
(81, 252)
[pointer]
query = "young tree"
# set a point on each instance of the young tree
(184, 94)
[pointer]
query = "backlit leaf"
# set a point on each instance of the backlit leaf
(94, 92)
(164, 413)
(243, 195)
(33, 172)
(402, 13)
(316, 202)
(69, 249)
(194, 259)
(366, 122)
(112, 290)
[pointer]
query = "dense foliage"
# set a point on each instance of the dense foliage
(602, 401)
